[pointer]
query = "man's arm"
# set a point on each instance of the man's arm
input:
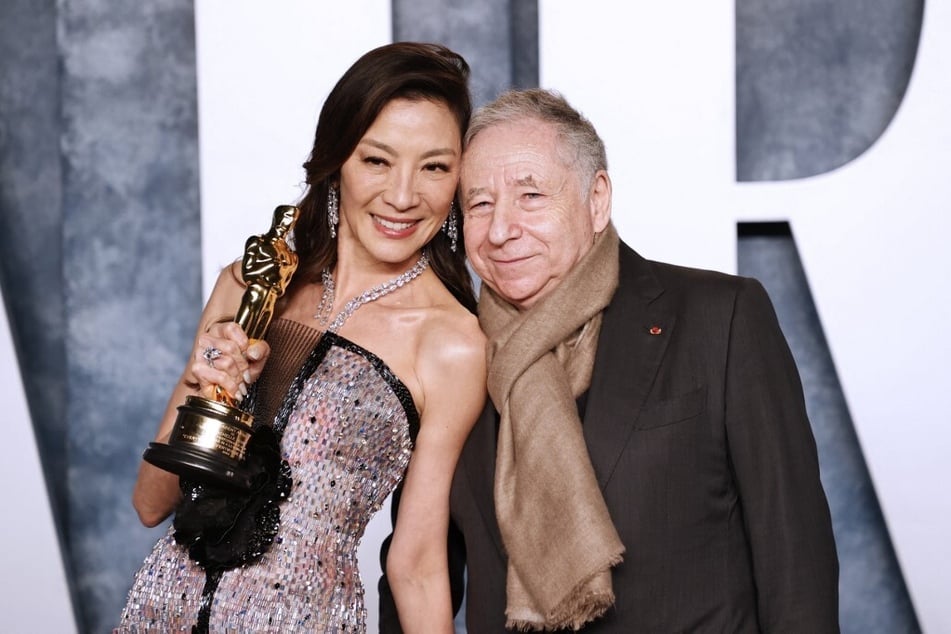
(774, 456)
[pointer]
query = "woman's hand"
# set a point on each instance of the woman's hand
(237, 364)
(223, 357)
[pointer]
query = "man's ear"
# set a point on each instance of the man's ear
(599, 201)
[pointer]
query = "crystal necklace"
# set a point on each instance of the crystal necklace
(327, 298)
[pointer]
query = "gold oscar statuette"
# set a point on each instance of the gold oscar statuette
(208, 441)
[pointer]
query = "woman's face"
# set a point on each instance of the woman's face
(396, 187)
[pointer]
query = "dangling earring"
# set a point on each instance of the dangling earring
(449, 226)
(333, 208)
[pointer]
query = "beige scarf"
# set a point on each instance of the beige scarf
(559, 537)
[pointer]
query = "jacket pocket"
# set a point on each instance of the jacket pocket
(671, 411)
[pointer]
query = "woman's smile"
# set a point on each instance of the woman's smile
(395, 228)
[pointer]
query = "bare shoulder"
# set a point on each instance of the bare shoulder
(452, 336)
(451, 364)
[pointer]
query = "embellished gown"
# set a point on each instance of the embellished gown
(348, 430)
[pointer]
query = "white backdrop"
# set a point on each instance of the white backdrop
(35, 597)
(657, 81)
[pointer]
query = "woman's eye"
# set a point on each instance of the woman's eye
(375, 160)
(437, 167)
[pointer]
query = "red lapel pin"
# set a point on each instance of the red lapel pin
(655, 330)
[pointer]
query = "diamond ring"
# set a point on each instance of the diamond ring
(210, 354)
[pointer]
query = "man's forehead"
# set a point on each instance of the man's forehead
(510, 173)
(510, 161)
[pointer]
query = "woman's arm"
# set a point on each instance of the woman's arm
(452, 372)
(156, 492)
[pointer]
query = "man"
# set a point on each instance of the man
(647, 464)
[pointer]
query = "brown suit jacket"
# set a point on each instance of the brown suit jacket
(696, 427)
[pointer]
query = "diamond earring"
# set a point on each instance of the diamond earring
(449, 226)
(333, 210)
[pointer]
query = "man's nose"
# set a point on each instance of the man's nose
(504, 224)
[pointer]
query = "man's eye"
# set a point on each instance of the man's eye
(480, 208)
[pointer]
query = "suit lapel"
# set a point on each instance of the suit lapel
(630, 349)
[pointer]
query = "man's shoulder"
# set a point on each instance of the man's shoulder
(676, 277)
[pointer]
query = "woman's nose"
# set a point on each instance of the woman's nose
(401, 191)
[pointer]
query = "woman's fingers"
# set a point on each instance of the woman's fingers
(219, 359)
(231, 330)
(256, 355)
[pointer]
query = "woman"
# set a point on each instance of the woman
(374, 339)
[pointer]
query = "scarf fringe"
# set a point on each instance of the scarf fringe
(579, 607)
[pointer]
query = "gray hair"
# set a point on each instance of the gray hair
(580, 144)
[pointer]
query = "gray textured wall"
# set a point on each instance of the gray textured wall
(499, 38)
(131, 255)
(817, 82)
(31, 217)
(873, 596)
(100, 255)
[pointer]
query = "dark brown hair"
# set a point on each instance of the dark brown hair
(407, 70)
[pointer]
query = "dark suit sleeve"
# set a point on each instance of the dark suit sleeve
(389, 619)
(773, 454)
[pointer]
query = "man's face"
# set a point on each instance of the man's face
(527, 220)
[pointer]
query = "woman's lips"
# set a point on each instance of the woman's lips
(395, 227)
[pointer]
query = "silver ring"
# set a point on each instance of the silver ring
(210, 354)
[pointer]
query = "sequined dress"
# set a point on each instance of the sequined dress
(348, 431)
